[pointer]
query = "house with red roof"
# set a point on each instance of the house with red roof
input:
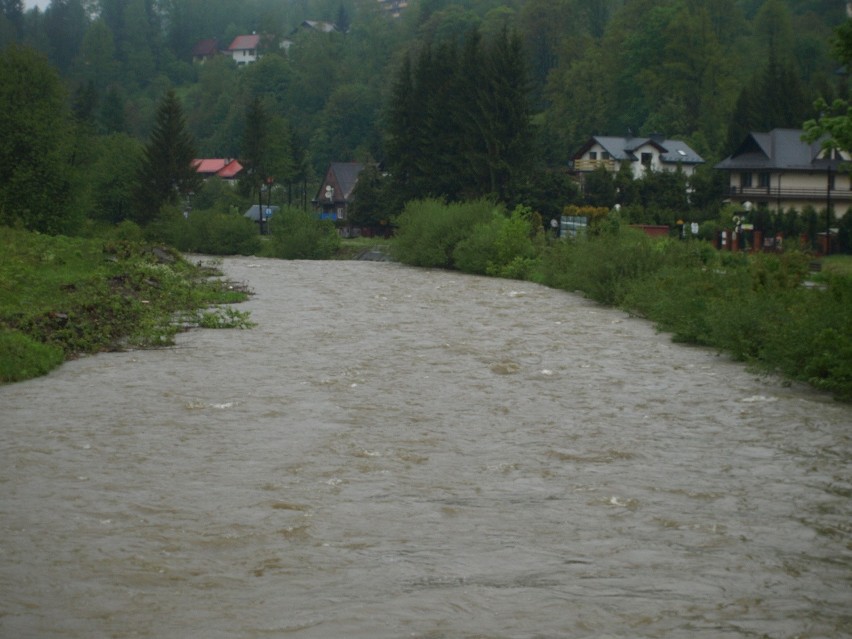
(222, 168)
(244, 49)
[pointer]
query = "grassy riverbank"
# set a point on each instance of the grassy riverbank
(62, 297)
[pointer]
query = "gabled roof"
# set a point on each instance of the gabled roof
(343, 176)
(204, 48)
(623, 149)
(244, 43)
(779, 149)
(230, 170)
(224, 168)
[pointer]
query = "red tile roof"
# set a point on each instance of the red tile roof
(220, 167)
(244, 42)
(230, 170)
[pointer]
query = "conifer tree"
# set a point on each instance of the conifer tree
(166, 174)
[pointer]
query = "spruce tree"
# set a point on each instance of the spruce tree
(166, 174)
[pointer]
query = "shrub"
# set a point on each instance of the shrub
(207, 232)
(22, 357)
(602, 266)
(502, 247)
(428, 231)
(298, 235)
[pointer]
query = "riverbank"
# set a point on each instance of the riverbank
(770, 311)
(62, 297)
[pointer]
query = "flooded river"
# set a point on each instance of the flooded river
(407, 453)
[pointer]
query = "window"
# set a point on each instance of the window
(763, 180)
(605, 155)
(745, 180)
(831, 177)
(646, 159)
(593, 155)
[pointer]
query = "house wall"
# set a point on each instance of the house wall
(787, 190)
(596, 156)
(244, 56)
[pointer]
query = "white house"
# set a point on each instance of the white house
(780, 171)
(653, 153)
(244, 49)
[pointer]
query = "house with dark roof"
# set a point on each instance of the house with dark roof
(204, 50)
(335, 191)
(244, 49)
(780, 171)
(653, 153)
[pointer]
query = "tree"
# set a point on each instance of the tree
(65, 22)
(369, 206)
(459, 122)
(166, 173)
(35, 144)
(96, 61)
(835, 120)
(265, 151)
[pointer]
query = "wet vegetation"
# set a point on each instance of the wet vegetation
(62, 297)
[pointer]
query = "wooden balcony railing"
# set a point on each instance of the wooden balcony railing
(792, 193)
(591, 165)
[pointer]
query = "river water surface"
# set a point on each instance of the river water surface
(395, 452)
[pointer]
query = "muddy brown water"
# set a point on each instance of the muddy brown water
(395, 452)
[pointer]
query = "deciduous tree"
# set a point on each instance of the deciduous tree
(35, 150)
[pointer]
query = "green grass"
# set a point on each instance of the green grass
(62, 297)
(838, 265)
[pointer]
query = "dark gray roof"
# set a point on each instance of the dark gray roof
(623, 148)
(346, 174)
(252, 212)
(779, 149)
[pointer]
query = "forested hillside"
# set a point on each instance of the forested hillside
(705, 71)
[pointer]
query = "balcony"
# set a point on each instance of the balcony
(764, 193)
(590, 165)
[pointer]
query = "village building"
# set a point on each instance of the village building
(335, 192)
(780, 171)
(652, 153)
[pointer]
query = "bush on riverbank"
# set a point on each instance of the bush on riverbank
(295, 234)
(207, 232)
(756, 308)
(61, 297)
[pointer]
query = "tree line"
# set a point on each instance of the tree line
(453, 99)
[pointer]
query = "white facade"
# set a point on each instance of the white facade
(640, 154)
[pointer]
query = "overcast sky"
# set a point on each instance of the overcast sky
(42, 4)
